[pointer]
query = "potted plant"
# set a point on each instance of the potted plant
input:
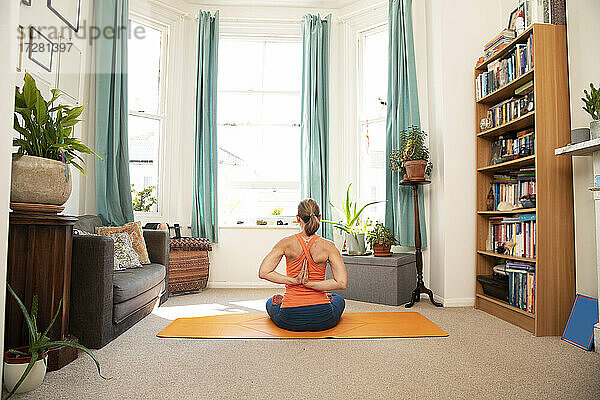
(412, 159)
(592, 107)
(45, 147)
(25, 367)
(381, 240)
(352, 227)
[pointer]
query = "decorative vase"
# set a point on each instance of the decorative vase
(382, 250)
(15, 366)
(595, 129)
(40, 180)
(415, 169)
(356, 243)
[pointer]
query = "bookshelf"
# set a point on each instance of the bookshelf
(555, 253)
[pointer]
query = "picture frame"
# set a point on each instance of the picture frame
(69, 71)
(69, 11)
(20, 40)
(41, 49)
(512, 19)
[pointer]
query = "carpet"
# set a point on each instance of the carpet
(260, 326)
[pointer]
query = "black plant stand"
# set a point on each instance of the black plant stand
(416, 294)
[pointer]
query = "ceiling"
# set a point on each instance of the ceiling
(276, 3)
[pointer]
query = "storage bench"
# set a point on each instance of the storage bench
(382, 280)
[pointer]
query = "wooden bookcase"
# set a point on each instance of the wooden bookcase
(555, 236)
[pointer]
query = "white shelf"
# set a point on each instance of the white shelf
(586, 148)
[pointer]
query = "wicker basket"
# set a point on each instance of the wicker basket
(188, 264)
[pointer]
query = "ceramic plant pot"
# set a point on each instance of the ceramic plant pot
(382, 250)
(14, 368)
(415, 169)
(356, 243)
(595, 129)
(40, 180)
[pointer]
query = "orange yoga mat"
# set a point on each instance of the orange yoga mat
(260, 326)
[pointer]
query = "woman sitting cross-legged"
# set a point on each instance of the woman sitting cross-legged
(306, 305)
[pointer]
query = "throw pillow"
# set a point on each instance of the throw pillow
(134, 230)
(125, 255)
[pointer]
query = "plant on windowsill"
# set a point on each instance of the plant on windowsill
(25, 367)
(143, 200)
(381, 240)
(352, 227)
(411, 160)
(592, 107)
(45, 147)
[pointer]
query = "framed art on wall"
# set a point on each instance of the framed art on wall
(41, 49)
(68, 11)
(69, 70)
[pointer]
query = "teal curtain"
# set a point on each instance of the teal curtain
(204, 210)
(113, 189)
(402, 112)
(314, 123)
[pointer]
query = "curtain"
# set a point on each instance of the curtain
(402, 112)
(314, 123)
(204, 208)
(113, 189)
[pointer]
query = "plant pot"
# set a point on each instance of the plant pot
(15, 366)
(415, 170)
(382, 250)
(595, 129)
(39, 180)
(356, 246)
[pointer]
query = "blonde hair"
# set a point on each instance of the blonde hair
(309, 212)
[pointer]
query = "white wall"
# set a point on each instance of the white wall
(583, 32)
(9, 12)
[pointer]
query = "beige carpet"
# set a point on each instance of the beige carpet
(483, 358)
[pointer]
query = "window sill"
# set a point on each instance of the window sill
(248, 226)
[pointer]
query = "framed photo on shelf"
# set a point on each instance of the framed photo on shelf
(68, 11)
(41, 49)
(512, 19)
(20, 39)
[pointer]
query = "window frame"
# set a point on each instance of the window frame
(161, 116)
(260, 185)
(360, 119)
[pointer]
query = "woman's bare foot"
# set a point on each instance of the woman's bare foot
(277, 299)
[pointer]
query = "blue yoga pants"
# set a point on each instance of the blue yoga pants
(318, 317)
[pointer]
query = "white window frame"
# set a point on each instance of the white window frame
(361, 121)
(161, 116)
(284, 185)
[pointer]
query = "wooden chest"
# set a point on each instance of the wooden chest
(188, 264)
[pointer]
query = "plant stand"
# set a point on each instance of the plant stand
(39, 263)
(416, 294)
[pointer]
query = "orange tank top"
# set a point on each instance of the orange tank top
(300, 295)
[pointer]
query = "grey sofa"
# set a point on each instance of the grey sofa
(104, 302)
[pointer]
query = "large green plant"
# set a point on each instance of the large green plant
(352, 223)
(39, 342)
(412, 147)
(592, 102)
(45, 128)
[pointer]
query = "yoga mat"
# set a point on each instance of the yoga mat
(260, 326)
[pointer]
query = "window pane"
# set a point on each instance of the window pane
(372, 169)
(239, 108)
(144, 134)
(240, 65)
(283, 66)
(144, 59)
(374, 61)
(281, 109)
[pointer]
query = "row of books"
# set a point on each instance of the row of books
(521, 285)
(514, 236)
(498, 42)
(506, 69)
(512, 191)
(513, 145)
(510, 109)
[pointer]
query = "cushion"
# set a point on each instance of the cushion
(132, 282)
(134, 230)
(88, 223)
(124, 255)
(128, 307)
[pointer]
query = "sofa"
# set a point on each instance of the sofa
(105, 302)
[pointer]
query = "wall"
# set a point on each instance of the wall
(583, 31)
(453, 47)
(9, 12)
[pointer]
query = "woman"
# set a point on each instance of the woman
(306, 306)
